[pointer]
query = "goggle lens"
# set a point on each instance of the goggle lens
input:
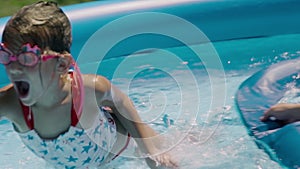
(4, 57)
(28, 59)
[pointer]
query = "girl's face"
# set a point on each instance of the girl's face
(31, 75)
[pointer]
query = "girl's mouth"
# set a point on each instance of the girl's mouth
(22, 88)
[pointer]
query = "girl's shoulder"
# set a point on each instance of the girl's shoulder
(96, 82)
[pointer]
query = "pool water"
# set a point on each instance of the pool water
(175, 98)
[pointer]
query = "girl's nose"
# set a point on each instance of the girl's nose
(14, 68)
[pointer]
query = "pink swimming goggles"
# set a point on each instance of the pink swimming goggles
(29, 56)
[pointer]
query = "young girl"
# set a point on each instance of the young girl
(68, 119)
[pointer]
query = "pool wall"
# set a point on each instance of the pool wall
(218, 20)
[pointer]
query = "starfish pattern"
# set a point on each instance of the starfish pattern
(72, 159)
(79, 133)
(29, 137)
(86, 161)
(57, 147)
(87, 148)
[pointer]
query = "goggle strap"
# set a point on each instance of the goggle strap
(35, 49)
(77, 86)
(44, 58)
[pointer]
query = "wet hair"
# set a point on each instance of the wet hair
(43, 24)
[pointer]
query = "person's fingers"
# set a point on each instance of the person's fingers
(163, 161)
(265, 116)
(262, 118)
(174, 164)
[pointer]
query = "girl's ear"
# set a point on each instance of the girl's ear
(63, 64)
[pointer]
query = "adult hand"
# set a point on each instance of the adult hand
(284, 112)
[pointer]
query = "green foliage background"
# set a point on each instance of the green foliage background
(9, 7)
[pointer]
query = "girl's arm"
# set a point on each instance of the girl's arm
(126, 113)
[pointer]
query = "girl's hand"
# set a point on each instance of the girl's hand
(163, 160)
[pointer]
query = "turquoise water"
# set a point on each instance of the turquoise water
(203, 135)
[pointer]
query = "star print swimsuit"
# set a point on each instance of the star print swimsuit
(76, 148)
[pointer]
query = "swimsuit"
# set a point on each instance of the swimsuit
(76, 148)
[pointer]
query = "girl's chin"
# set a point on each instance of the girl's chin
(27, 101)
(24, 97)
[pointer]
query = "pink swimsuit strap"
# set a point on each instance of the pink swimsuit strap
(123, 149)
